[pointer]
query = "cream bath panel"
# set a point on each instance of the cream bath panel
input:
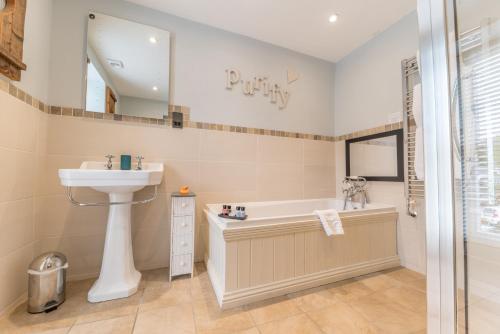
(259, 261)
(264, 260)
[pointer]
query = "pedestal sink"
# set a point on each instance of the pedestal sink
(118, 277)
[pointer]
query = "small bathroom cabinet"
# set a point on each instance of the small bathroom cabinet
(182, 227)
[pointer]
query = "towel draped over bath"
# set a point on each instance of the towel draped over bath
(331, 222)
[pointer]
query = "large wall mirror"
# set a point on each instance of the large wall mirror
(378, 157)
(128, 67)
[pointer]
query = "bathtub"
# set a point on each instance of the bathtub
(282, 248)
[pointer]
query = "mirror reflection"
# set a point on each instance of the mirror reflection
(376, 157)
(128, 67)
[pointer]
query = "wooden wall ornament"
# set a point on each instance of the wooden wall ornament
(12, 19)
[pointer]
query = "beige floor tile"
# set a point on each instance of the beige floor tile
(210, 318)
(122, 325)
(273, 309)
(388, 316)
(420, 284)
(172, 320)
(170, 295)
(64, 330)
(253, 330)
(313, 299)
(385, 303)
(300, 324)
(349, 289)
(404, 275)
(340, 318)
(89, 312)
(378, 281)
(157, 278)
(408, 297)
(21, 322)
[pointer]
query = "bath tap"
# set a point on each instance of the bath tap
(353, 185)
(109, 164)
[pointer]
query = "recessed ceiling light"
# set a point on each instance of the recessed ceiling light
(155, 88)
(153, 40)
(333, 18)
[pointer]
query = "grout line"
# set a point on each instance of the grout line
(314, 322)
(137, 313)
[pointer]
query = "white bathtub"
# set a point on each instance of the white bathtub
(285, 211)
(282, 248)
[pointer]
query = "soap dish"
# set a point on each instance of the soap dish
(233, 217)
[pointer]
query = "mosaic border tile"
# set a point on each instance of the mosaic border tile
(11, 89)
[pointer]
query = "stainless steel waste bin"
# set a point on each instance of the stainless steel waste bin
(47, 282)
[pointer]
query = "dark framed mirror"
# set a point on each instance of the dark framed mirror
(378, 157)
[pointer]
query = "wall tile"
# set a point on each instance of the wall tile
(319, 177)
(18, 126)
(319, 153)
(152, 216)
(180, 173)
(279, 181)
(48, 182)
(227, 176)
(16, 224)
(84, 253)
(17, 175)
(280, 150)
(13, 274)
(227, 146)
(56, 216)
(98, 138)
(151, 248)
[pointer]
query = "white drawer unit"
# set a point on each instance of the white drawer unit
(182, 227)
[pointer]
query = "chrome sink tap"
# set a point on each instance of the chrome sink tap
(109, 164)
(139, 162)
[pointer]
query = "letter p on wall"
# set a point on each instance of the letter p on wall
(232, 77)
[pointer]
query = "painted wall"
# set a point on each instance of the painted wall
(200, 56)
(135, 106)
(37, 49)
(368, 87)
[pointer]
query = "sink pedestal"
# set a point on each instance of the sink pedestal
(118, 277)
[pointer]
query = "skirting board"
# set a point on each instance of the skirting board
(249, 295)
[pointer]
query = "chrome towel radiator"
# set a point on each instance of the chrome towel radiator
(414, 188)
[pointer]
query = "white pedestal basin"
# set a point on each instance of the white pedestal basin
(118, 277)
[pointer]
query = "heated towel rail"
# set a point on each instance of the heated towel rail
(414, 188)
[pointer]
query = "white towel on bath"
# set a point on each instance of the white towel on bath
(331, 222)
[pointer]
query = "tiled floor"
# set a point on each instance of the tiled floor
(387, 302)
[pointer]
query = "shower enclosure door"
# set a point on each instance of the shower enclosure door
(460, 45)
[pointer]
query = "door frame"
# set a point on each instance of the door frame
(438, 70)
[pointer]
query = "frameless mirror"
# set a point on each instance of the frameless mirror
(128, 67)
(376, 157)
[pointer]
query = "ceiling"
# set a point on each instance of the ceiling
(145, 65)
(298, 25)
